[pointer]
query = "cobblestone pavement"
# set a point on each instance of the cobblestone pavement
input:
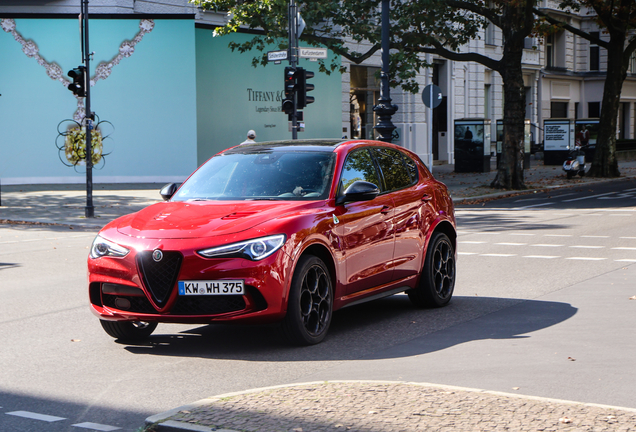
(387, 407)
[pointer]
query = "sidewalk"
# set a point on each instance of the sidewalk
(64, 204)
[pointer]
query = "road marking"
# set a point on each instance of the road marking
(471, 242)
(626, 260)
(587, 247)
(557, 235)
(498, 255)
(96, 426)
(487, 233)
(524, 234)
(629, 238)
(542, 256)
(531, 206)
(588, 197)
(546, 245)
(35, 416)
(594, 236)
(586, 259)
(512, 244)
(624, 248)
(466, 253)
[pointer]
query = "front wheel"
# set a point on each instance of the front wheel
(128, 331)
(310, 303)
(437, 280)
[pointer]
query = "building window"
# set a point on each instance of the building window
(558, 109)
(487, 101)
(489, 34)
(593, 109)
(549, 51)
(595, 59)
(528, 43)
(632, 63)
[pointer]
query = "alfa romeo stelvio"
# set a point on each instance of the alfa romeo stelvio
(283, 232)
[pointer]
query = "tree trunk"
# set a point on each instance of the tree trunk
(605, 163)
(510, 170)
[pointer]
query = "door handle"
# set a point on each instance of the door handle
(385, 209)
(426, 198)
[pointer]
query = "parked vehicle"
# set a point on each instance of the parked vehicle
(278, 231)
(575, 163)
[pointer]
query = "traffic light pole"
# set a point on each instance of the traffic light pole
(89, 210)
(293, 59)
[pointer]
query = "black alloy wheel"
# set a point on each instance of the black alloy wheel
(437, 280)
(310, 303)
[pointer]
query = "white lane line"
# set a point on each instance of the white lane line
(487, 233)
(546, 245)
(626, 260)
(624, 210)
(471, 242)
(594, 236)
(512, 244)
(586, 247)
(524, 234)
(12, 241)
(624, 248)
(557, 235)
(588, 197)
(542, 256)
(586, 259)
(531, 206)
(35, 416)
(96, 426)
(564, 195)
(629, 238)
(466, 253)
(498, 255)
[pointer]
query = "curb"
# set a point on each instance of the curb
(162, 422)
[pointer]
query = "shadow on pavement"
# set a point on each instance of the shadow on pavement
(371, 329)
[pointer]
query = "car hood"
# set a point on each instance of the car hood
(196, 219)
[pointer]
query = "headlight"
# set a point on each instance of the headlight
(102, 247)
(254, 250)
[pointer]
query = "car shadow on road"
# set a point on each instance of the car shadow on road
(386, 328)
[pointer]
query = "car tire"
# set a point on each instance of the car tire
(129, 331)
(437, 279)
(310, 303)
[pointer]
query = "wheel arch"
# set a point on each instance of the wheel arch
(321, 251)
(447, 228)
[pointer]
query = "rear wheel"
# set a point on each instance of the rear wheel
(437, 280)
(129, 331)
(310, 302)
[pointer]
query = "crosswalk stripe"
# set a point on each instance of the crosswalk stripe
(96, 427)
(36, 416)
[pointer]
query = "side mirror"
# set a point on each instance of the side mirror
(359, 191)
(167, 191)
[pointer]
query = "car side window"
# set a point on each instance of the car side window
(411, 167)
(396, 176)
(358, 166)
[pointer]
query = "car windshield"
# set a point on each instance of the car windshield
(258, 175)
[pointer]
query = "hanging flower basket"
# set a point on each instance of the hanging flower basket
(75, 146)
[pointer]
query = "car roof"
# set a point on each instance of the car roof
(321, 145)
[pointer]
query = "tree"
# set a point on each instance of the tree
(618, 18)
(417, 26)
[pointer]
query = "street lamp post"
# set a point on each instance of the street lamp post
(384, 108)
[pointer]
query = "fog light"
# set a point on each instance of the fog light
(122, 303)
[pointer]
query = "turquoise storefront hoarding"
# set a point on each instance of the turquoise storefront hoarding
(146, 88)
(234, 97)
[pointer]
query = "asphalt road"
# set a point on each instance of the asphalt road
(541, 307)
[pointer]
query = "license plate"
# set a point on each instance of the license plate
(211, 287)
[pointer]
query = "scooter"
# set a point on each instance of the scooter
(575, 163)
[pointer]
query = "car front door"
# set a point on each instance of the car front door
(365, 228)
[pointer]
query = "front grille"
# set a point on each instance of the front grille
(137, 304)
(207, 305)
(159, 277)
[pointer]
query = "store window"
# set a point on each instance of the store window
(365, 92)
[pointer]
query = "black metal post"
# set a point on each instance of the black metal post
(293, 60)
(384, 108)
(89, 210)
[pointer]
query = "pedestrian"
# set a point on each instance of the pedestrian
(251, 136)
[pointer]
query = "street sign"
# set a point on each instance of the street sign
(313, 53)
(277, 56)
(437, 96)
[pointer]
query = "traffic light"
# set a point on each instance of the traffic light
(78, 86)
(304, 87)
(291, 76)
